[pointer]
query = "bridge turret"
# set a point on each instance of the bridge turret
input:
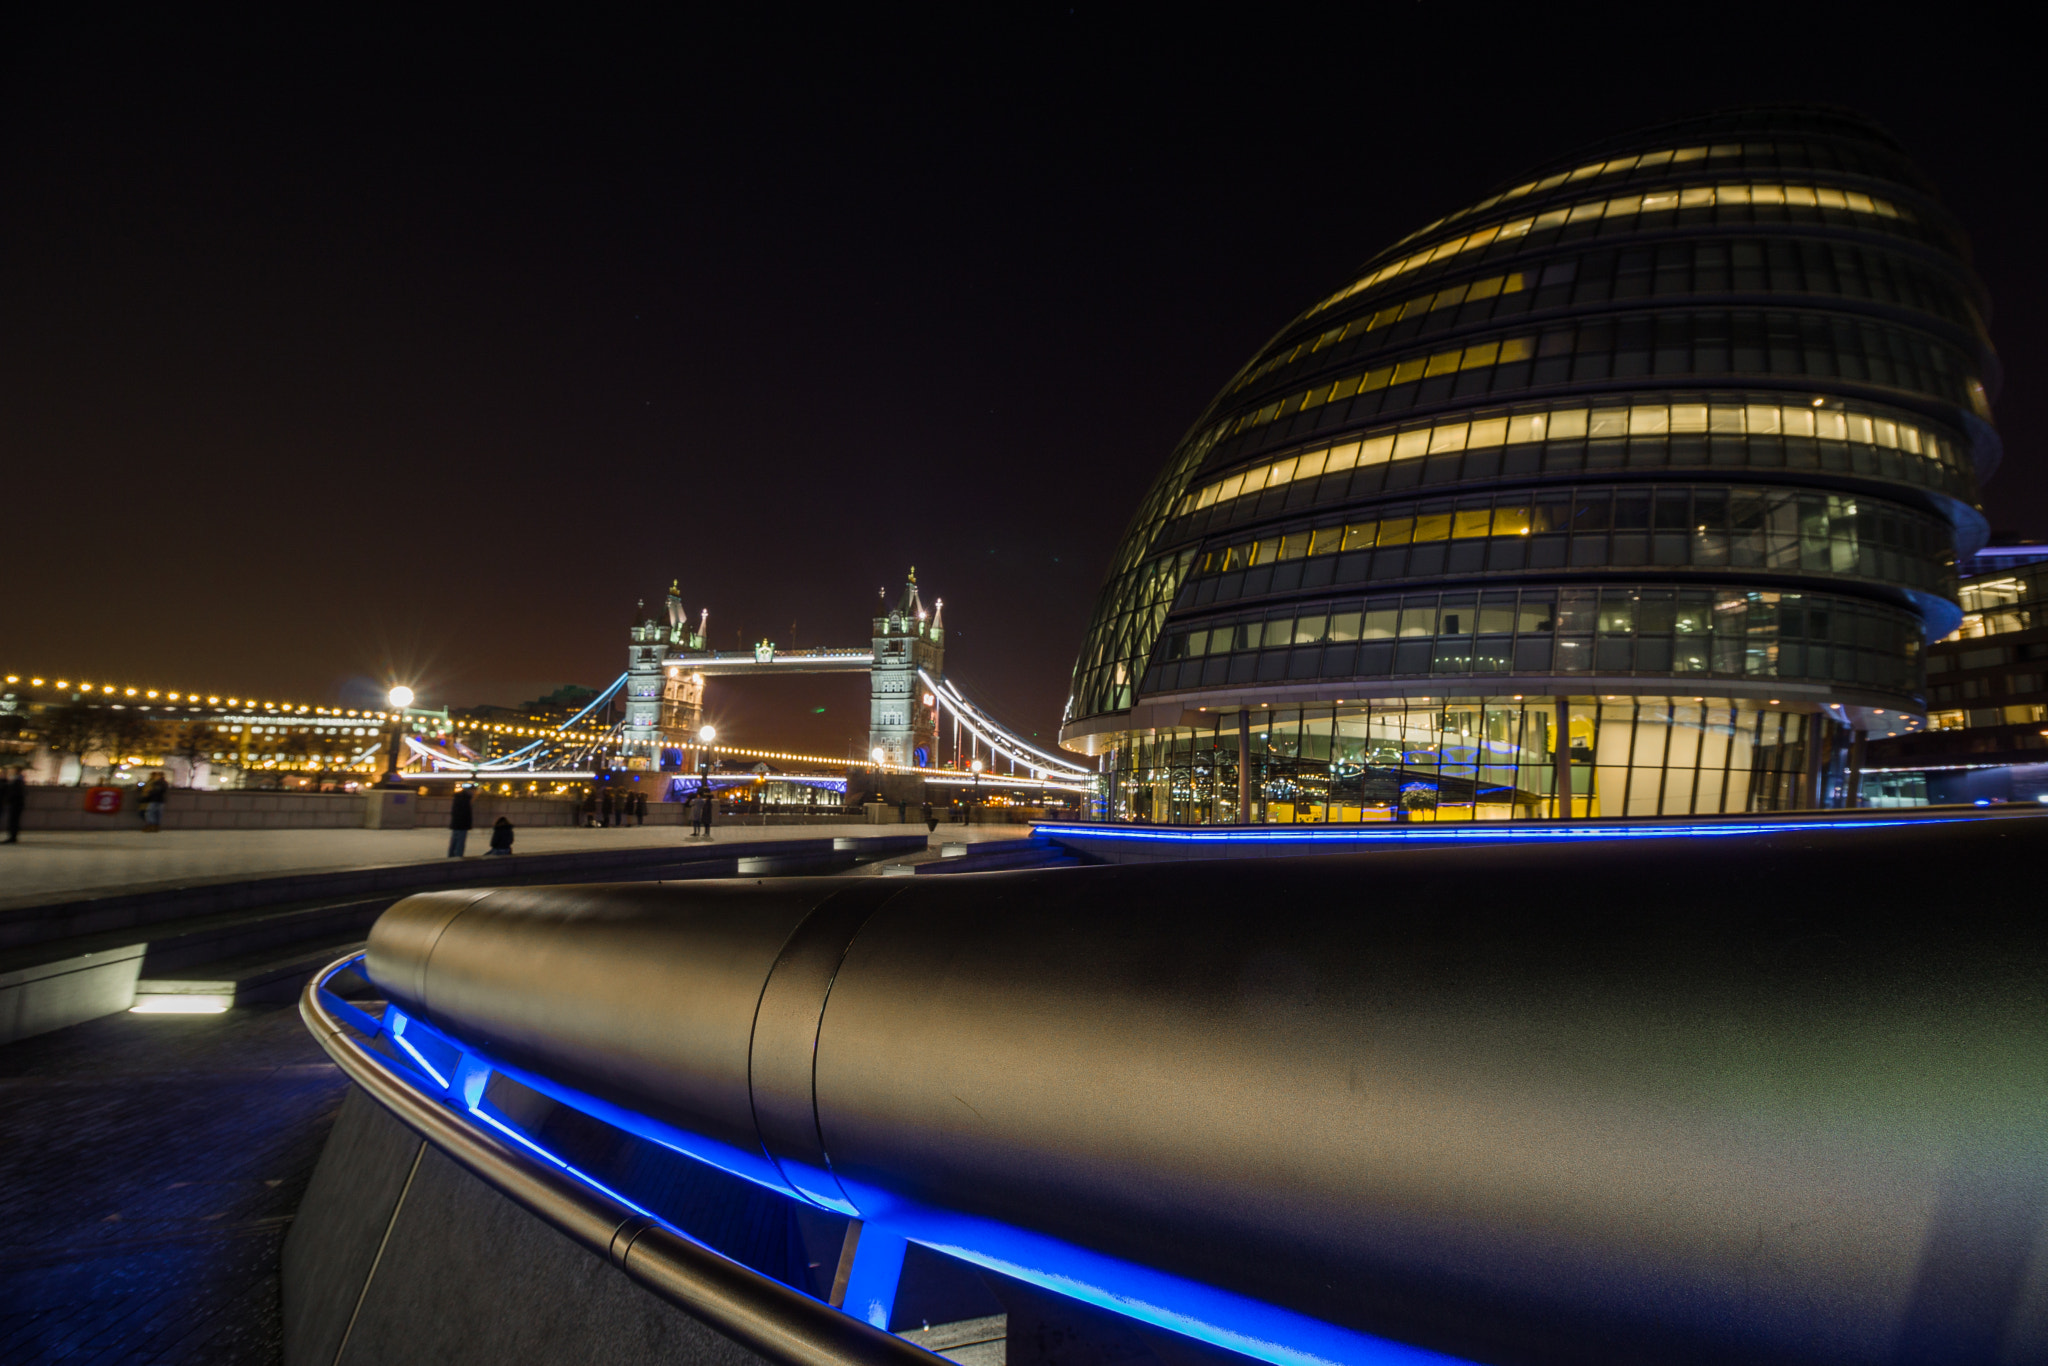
(664, 701)
(645, 656)
(907, 639)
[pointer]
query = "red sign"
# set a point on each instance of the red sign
(103, 801)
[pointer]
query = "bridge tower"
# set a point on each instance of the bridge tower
(907, 639)
(664, 702)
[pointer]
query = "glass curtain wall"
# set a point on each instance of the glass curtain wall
(1465, 759)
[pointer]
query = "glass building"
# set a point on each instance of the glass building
(1987, 733)
(1643, 479)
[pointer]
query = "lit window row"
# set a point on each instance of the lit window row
(1795, 153)
(1681, 345)
(1712, 526)
(2017, 714)
(1663, 272)
(1641, 419)
(1451, 362)
(1673, 156)
(2028, 584)
(1728, 631)
(1464, 759)
(1628, 206)
(1477, 291)
(1998, 622)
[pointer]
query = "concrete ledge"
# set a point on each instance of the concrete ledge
(68, 991)
(399, 1256)
(25, 925)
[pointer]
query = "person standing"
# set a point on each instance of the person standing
(604, 810)
(460, 818)
(639, 808)
(13, 797)
(150, 802)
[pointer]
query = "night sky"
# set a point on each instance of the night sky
(335, 354)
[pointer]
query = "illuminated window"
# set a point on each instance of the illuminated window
(1623, 206)
(1568, 424)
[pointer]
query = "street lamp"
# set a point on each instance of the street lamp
(977, 766)
(705, 735)
(400, 697)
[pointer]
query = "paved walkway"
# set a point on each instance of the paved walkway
(150, 1166)
(61, 865)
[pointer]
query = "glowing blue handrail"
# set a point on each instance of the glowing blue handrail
(1208, 1313)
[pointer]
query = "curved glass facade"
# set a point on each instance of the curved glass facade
(1692, 421)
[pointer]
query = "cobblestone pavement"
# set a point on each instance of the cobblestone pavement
(149, 1169)
(55, 865)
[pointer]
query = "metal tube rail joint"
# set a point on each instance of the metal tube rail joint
(1712, 1099)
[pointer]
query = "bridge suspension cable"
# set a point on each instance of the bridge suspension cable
(509, 763)
(999, 738)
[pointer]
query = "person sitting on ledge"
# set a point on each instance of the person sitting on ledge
(501, 838)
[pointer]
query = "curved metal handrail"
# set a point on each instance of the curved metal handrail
(761, 1313)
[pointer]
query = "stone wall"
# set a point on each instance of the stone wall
(63, 808)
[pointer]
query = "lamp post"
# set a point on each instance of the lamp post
(975, 805)
(400, 697)
(705, 735)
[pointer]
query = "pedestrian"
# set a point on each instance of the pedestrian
(13, 797)
(150, 802)
(604, 810)
(460, 818)
(639, 808)
(697, 811)
(501, 838)
(589, 810)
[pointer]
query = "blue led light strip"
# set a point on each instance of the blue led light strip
(1208, 1313)
(398, 1025)
(588, 1180)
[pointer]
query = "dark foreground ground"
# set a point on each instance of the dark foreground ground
(149, 1169)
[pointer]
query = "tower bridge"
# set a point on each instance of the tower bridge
(670, 662)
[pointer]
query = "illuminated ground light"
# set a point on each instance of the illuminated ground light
(183, 1003)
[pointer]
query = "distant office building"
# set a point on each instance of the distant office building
(1650, 470)
(1987, 697)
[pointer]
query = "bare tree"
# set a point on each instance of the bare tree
(196, 740)
(123, 732)
(75, 729)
